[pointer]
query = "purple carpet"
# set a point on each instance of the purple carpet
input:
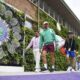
(65, 76)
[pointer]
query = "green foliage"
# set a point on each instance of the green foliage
(45, 17)
(29, 58)
(60, 61)
(16, 58)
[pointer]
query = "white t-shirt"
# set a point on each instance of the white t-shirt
(59, 38)
(59, 41)
(34, 43)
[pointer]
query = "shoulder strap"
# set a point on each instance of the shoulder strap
(71, 42)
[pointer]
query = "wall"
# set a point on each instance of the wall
(26, 6)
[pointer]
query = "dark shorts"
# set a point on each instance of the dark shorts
(48, 48)
(71, 54)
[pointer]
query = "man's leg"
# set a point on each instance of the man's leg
(38, 54)
(73, 59)
(52, 59)
(34, 53)
(68, 61)
(51, 49)
(44, 52)
(73, 63)
(68, 57)
(37, 60)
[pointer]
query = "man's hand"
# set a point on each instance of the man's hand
(69, 49)
(40, 50)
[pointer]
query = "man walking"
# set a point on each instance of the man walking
(70, 47)
(35, 44)
(47, 38)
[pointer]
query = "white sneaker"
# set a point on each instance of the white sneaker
(69, 68)
(73, 70)
(37, 70)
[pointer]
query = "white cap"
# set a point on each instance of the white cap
(45, 22)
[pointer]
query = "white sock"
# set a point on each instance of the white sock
(45, 66)
(53, 66)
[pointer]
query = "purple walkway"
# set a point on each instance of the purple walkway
(66, 76)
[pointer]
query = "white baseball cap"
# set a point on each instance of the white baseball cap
(45, 22)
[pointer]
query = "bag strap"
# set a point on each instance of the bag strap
(71, 42)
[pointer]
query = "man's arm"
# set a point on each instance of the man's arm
(41, 41)
(54, 35)
(66, 44)
(75, 45)
(30, 44)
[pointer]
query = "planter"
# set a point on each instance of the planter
(11, 69)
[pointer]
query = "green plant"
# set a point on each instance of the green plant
(14, 19)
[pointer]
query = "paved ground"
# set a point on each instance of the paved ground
(41, 76)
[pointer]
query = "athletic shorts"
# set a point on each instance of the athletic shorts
(48, 48)
(70, 54)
